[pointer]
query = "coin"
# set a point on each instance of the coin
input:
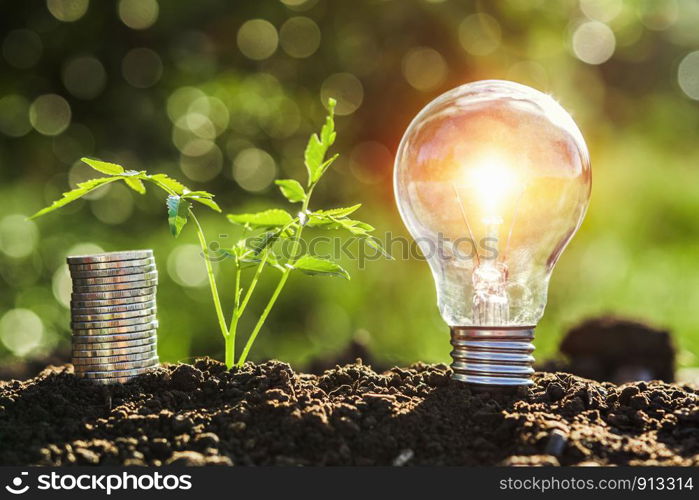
(110, 257)
(97, 339)
(114, 359)
(114, 287)
(93, 353)
(93, 300)
(116, 330)
(116, 380)
(112, 323)
(107, 316)
(118, 374)
(114, 369)
(113, 280)
(92, 294)
(109, 309)
(117, 264)
(119, 344)
(117, 271)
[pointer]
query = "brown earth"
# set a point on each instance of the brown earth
(268, 415)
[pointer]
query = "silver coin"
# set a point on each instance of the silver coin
(114, 359)
(111, 297)
(137, 338)
(115, 380)
(116, 330)
(112, 323)
(106, 316)
(111, 376)
(96, 353)
(114, 287)
(79, 301)
(109, 309)
(113, 280)
(110, 257)
(108, 273)
(107, 266)
(115, 369)
(118, 344)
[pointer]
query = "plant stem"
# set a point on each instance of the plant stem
(253, 283)
(277, 290)
(230, 339)
(263, 317)
(212, 280)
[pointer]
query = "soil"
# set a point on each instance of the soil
(619, 350)
(266, 414)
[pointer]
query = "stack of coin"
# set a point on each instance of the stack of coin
(113, 314)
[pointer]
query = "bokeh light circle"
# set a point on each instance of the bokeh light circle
(67, 10)
(424, 68)
(185, 265)
(21, 331)
(22, 48)
(115, 207)
(593, 42)
(480, 34)
(299, 37)
(18, 236)
(142, 67)
(257, 39)
(50, 114)
(62, 285)
(254, 169)
(203, 167)
(688, 75)
(601, 10)
(84, 77)
(179, 101)
(138, 14)
(370, 162)
(14, 115)
(346, 89)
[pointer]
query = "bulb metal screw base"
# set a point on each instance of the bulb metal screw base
(493, 355)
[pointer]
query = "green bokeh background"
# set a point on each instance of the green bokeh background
(225, 104)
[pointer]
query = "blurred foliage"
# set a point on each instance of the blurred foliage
(224, 95)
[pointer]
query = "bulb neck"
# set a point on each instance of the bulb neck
(493, 355)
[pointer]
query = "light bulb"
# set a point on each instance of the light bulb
(492, 180)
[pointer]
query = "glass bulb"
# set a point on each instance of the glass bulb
(492, 180)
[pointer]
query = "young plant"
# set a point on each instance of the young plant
(262, 230)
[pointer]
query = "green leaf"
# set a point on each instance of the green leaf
(103, 166)
(198, 194)
(375, 243)
(207, 202)
(338, 212)
(313, 157)
(327, 133)
(315, 265)
(204, 198)
(81, 190)
(323, 167)
(327, 220)
(168, 183)
(177, 212)
(291, 189)
(273, 217)
(317, 147)
(259, 243)
(252, 258)
(136, 184)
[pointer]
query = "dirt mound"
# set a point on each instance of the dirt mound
(619, 350)
(267, 414)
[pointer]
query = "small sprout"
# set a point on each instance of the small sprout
(262, 229)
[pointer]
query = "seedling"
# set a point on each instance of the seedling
(262, 230)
